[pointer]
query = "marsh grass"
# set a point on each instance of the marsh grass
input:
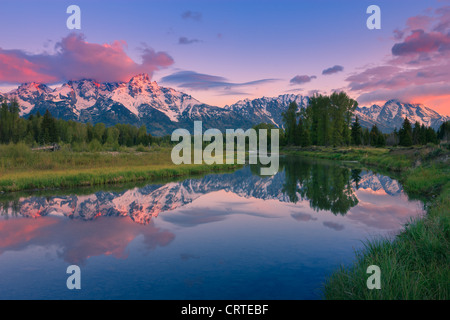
(24, 169)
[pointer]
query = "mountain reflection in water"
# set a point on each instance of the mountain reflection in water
(325, 186)
(223, 236)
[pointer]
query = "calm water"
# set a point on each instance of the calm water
(224, 236)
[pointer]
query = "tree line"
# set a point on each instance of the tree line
(325, 121)
(330, 121)
(45, 129)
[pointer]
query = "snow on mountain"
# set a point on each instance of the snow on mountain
(27, 94)
(392, 114)
(377, 182)
(267, 110)
(141, 101)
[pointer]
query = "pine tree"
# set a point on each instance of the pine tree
(290, 122)
(356, 132)
(366, 137)
(405, 134)
(416, 133)
(375, 139)
(444, 131)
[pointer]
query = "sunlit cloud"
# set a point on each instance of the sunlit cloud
(418, 68)
(76, 59)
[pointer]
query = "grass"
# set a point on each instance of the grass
(23, 169)
(415, 264)
(382, 158)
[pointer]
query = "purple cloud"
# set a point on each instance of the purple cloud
(302, 79)
(200, 81)
(420, 41)
(184, 40)
(334, 69)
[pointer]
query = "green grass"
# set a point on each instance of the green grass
(23, 169)
(383, 158)
(415, 264)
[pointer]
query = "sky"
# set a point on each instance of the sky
(224, 51)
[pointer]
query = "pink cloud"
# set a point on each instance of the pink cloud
(78, 240)
(420, 41)
(418, 70)
(77, 59)
(419, 22)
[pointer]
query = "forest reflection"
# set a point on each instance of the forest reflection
(326, 185)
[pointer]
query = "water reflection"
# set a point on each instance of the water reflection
(223, 236)
(78, 240)
(324, 185)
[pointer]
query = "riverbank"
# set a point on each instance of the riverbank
(415, 264)
(23, 169)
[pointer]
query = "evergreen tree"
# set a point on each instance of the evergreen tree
(405, 134)
(444, 131)
(356, 132)
(48, 132)
(303, 134)
(290, 122)
(431, 135)
(366, 137)
(416, 133)
(375, 134)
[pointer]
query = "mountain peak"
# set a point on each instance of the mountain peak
(33, 87)
(142, 77)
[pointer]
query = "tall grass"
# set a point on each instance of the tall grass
(413, 266)
(23, 169)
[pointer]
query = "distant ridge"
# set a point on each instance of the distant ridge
(141, 101)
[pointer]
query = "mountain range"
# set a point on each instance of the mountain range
(141, 101)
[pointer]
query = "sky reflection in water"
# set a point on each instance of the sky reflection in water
(228, 236)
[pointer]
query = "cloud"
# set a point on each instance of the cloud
(411, 93)
(334, 69)
(333, 225)
(301, 79)
(299, 216)
(75, 59)
(418, 22)
(193, 15)
(200, 81)
(418, 69)
(420, 41)
(79, 240)
(184, 40)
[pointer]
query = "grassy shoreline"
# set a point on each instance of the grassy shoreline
(415, 264)
(22, 169)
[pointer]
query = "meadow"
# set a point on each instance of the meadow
(24, 169)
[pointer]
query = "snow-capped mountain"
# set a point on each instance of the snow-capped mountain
(138, 102)
(141, 101)
(392, 114)
(267, 110)
(375, 182)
